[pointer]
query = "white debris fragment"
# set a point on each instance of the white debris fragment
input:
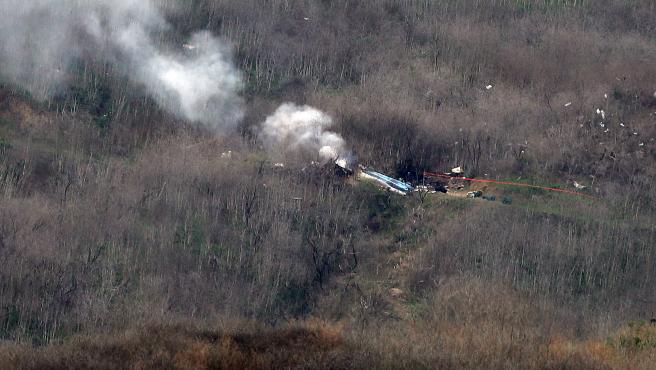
(189, 46)
(601, 113)
(227, 155)
(488, 87)
(568, 104)
(579, 186)
(349, 162)
(457, 170)
(605, 96)
(306, 18)
(602, 125)
(606, 130)
(279, 165)
(621, 124)
(642, 144)
(654, 94)
(635, 133)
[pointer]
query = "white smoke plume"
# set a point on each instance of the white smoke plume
(302, 128)
(39, 40)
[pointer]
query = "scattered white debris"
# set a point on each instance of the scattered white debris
(424, 189)
(279, 165)
(189, 46)
(579, 186)
(602, 125)
(568, 104)
(348, 163)
(606, 130)
(601, 113)
(227, 155)
(341, 162)
(488, 87)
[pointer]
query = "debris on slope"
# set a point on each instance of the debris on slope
(384, 181)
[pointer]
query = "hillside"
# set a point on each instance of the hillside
(168, 197)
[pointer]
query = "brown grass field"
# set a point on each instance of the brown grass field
(130, 238)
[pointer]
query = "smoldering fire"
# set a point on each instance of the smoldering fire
(302, 128)
(40, 39)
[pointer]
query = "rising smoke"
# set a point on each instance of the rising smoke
(302, 128)
(39, 40)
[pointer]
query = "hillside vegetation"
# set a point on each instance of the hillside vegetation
(130, 237)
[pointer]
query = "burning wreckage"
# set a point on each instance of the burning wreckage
(384, 181)
(431, 182)
(350, 167)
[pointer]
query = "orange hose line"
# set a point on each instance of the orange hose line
(431, 174)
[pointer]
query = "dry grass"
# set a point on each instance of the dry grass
(471, 324)
(467, 324)
(184, 347)
(107, 224)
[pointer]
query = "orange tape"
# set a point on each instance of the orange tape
(441, 175)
